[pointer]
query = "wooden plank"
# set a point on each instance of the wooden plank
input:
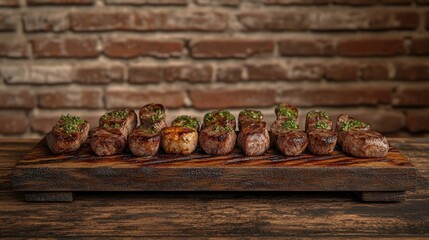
(381, 196)
(49, 196)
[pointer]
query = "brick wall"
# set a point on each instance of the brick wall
(368, 58)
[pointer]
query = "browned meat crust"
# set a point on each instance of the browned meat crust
(321, 138)
(292, 143)
(253, 138)
(60, 142)
(215, 142)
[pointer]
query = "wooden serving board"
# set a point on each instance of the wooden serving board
(47, 177)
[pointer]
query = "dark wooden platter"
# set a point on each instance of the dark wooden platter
(47, 177)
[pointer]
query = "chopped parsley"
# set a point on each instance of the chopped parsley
(290, 125)
(218, 128)
(69, 123)
(321, 125)
(157, 116)
(351, 123)
(186, 121)
(120, 114)
(252, 113)
(319, 114)
(148, 129)
(213, 116)
(286, 111)
(115, 125)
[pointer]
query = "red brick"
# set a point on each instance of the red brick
(43, 123)
(60, 2)
(307, 72)
(420, 46)
(13, 123)
(230, 48)
(190, 73)
(266, 72)
(99, 74)
(100, 20)
(355, 2)
(306, 47)
(229, 74)
(36, 73)
(70, 47)
(328, 20)
(145, 74)
(45, 21)
(117, 98)
(417, 120)
(146, 2)
(370, 47)
(134, 47)
(342, 72)
(15, 48)
(180, 20)
(71, 99)
(336, 95)
(9, 3)
(8, 21)
(231, 98)
(412, 96)
(375, 72)
(14, 99)
(413, 72)
(295, 2)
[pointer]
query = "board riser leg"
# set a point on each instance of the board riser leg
(49, 196)
(381, 196)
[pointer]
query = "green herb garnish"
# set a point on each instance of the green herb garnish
(320, 114)
(148, 129)
(226, 114)
(70, 123)
(213, 116)
(186, 121)
(321, 125)
(157, 116)
(290, 125)
(285, 111)
(252, 113)
(115, 125)
(218, 128)
(351, 123)
(120, 114)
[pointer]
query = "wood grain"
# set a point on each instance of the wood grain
(83, 171)
(217, 215)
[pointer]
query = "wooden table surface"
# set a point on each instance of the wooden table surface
(212, 215)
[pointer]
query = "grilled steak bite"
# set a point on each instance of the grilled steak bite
(290, 140)
(153, 115)
(217, 140)
(249, 116)
(286, 111)
(68, 134)
(111, 136)
(145, 139)
(321, 138)
(181, 137)
(357, 140)
(220, 117)
(253, 138)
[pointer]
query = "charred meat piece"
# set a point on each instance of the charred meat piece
(220, 117)
(146, 138)
(68, 134)
(107, 141)
(218, 136)
(153, 115)
(357, 140)
(253, 138)
(249, 116)
(345, 123)
(217, 140)
(286, 111)
(111, 136)
(321, 137)
(181, 137)
(288, 138)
